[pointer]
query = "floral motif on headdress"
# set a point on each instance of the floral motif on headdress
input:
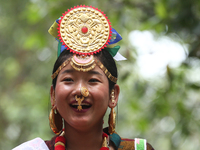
(84, 30)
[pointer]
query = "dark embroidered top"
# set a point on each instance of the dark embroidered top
(118, 142)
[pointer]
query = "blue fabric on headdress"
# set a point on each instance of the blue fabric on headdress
(116, 37)
(57, 20)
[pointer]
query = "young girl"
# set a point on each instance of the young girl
(84, 85)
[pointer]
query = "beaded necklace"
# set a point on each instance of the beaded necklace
(60, 142)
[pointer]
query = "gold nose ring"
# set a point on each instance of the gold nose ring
(84, 93)
(79, 100)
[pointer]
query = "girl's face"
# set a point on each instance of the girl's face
(68, 85)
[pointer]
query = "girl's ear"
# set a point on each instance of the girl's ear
(114, 96)
(52, 94)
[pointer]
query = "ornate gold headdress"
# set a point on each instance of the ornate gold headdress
(85, 31)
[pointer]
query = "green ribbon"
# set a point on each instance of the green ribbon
(59, 48)
(113, 51)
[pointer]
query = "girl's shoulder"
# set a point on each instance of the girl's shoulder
(35, 144)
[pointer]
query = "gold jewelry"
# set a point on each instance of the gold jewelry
(83, 63)
(65, 63)
(105, 142)
(59, 143)
(111, 121)
(113, 96)
(84, 30)
(55, 121)
(85, 67)
(105, 70)
(79, 100)
(84, 91)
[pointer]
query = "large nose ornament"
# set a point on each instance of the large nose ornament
(84, 93)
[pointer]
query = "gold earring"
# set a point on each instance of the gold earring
(111, 121)
(113, 96)
(55, 121)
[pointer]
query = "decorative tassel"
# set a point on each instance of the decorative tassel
(105, 142)
(60, 142)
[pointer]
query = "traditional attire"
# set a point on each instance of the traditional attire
(118, 142)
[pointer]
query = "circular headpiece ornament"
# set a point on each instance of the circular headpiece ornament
(84, 30)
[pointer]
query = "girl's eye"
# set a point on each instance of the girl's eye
(93, 80)
(68, 80)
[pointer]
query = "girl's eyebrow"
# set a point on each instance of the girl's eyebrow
(95, 72)
(67, 71)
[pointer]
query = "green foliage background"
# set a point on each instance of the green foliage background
(164, 110)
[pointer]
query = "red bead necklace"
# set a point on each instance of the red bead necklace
(60, 142)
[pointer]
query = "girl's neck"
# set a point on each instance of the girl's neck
(83, 139)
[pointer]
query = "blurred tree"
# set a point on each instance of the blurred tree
(164, 109)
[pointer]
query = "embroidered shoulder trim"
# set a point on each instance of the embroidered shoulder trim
(140, 144)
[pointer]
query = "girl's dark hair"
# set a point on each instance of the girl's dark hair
(104, 56)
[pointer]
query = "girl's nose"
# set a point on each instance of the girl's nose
(81, 90)
(77, 90)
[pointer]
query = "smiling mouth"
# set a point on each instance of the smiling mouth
(84, 105)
